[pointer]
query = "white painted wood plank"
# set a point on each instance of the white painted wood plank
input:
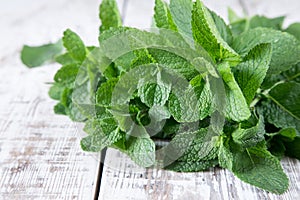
(122, 179)
(40, 152)
(125, 180)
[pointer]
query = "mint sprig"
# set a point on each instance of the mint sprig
(218, 94)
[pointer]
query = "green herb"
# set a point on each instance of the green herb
(218, 94)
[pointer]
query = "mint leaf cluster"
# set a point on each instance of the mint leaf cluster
(191, 94)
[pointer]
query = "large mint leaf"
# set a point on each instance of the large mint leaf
(189, 166)
(251, 72)
(191, 147)
(222, 27)
(67, 75)
(101, 133)
(285, 47)
(241, 25)
(236, 105)
(109, 15)
(174, 62)
(287, 96)
(184, 105)
(293, 148)
(181, 12)
(204, 96)
(74, 45)
(105, 92)
(162, 16)
(141, 151)
(279, 117)
(37, 56)
(294, 29)
(260, 168)
(154, 94)
(249, 137)
(206, 34)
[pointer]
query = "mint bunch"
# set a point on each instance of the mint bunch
(217, 94)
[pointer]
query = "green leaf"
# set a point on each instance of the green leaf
(105, 92)
(141, 151)
(236, 106)
(190, 166)
(184, 108)
(251, 72)
(65, 59)
(262, 21)
(109, 15)
(101, 133)
(74, 45)
(37, 56)
(222, 28)
(59, 109)
(56, 91)
(244, 24)
(287, 96)
(293, 74)
(204, 96)
(174, 62)
(162, 16)
(206, 34)
(181, 12)
(278, 117)
(249, 137)
(154, 94)
(67, 75)
(293, 148)
(294, 29)
(285, 47)
(260, 168)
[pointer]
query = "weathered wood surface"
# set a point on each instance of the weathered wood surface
(122, 179)
(40, 155)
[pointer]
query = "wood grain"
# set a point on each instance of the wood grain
(40, 152)
(123, 180)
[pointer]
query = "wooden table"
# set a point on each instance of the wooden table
(40, 156)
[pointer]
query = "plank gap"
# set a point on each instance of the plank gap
(100, 172)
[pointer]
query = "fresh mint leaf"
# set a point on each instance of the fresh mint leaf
(105, 92)
(293, 148)
(101, 133)
(294, 29)
(249, 137)
(206, 34)
(55, 91)
(236, 104)
(277, 116)
(67, 74)
(174, 62)
(190, 166)
(181, 11)
(260, 168)
(162, 16)
(154, 94)
(285, 47)
(109, 15)
(75, 46)
(287, 97)
(141, 150)
(222, 27)
(250, 73)
(39, 55)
